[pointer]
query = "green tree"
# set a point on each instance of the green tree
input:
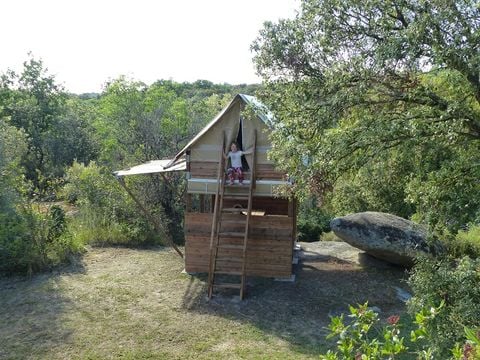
(72, 138)
(138, 123)
(13, 146)
(358, 85)
(30, 239)
(34, 103)
(455, 284)
(57, 125)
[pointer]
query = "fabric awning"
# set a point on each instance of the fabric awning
(154, 167)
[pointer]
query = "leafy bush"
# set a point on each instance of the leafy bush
(13, 147)
(448, 199)
(32, 240)
(106, 215)
(378, 186)
(329, 236)
(363, 338)
(466, 242)
(312, 222)
(456, 283)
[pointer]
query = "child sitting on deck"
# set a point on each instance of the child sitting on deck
(235, 156)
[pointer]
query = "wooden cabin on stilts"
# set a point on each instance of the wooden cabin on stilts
(239, 230)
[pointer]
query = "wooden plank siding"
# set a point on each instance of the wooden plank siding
(269, 251)
(208, 170)
(271, 206)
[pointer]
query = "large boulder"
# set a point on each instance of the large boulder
(385, 236)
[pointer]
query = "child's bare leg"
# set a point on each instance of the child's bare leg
(240, 176)
(231, 175)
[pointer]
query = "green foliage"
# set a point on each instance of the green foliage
(56, 128)
(380, 102)
(72, 138)
(466, 242)
(329, 236)
(32, 239)
(379, 185)
(471, 348)
(312, 222)
(137, 124)
(449, 198)
(45, 136)
(33, 105)
(12, 148)
(204, 110)
(201, 90)
(363, 339)
(456, 284)
(107, 215)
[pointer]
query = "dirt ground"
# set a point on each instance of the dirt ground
(137, 304)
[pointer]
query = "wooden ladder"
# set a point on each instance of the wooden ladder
(218, 236)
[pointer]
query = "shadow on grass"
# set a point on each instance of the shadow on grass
(299, 312)
(31, 311)
(139, 299)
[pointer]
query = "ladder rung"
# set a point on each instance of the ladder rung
(229, 259)
(230, 262)
(226, 272)
(233, 210)
(234, 222)
(232, 234)
(232, 247)
(235, 196)
(228, 286)
(245, 186)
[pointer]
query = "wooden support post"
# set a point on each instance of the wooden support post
(212, 202)
(153, 221)
(188, 202)
(292, 214)
(294, 225)
(290, 208)
(202, 203)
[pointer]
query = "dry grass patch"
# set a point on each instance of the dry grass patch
(136, 304)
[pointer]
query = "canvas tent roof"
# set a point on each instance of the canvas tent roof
(178, 162)
(154, 167)
(260, 109)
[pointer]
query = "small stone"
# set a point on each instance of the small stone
(402, 295)
(375, 309)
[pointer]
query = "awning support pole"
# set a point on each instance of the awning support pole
(150, 217)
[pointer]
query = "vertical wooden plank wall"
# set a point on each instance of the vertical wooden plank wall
(270, 247)
(272, 235)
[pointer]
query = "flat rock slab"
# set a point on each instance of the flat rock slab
(319, 250)
(340, 251)
(385, 236)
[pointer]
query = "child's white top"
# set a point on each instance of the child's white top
(236, 158)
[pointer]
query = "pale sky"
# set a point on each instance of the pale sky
(85, 43)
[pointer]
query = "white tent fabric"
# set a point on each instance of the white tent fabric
(211, 135)
(205, 146)
(153, 167)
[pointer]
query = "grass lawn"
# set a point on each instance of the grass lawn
(136, 304)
